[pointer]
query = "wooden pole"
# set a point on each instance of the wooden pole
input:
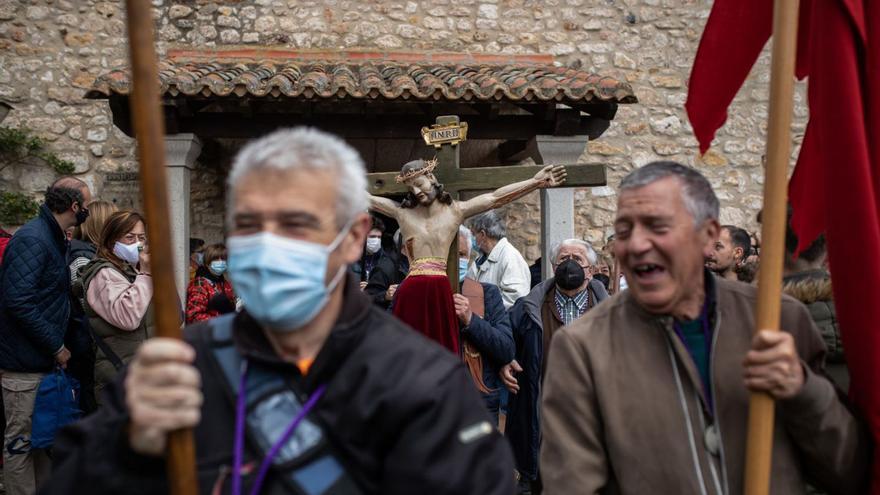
(761, 406)
(150, 132)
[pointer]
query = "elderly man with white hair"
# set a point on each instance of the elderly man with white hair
(310, 389)
(552, 304)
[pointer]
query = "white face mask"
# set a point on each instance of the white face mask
(127, 252)
(373, 245)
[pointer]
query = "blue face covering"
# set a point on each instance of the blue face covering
(218, 267)
(281, 280)
(462, 268)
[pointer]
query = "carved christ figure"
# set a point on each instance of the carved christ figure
(429, 220)
(429, 217)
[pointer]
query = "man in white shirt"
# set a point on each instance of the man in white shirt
(502, 264)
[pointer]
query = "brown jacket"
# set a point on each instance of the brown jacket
(623, 409)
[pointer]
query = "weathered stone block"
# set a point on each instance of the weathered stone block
(712, 158)
(668, 126)
(179, 11)
(230, 36)
(666, 148)
(603, 148)
(228, 21)
(487, 11)
(36, 13)
(671, 81)
(97, 135)
(623, 61)
(408, 31)
(388, 41)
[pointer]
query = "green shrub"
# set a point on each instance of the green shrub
(18, 145)
(16, 208)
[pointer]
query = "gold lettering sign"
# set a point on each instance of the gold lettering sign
(440, 134)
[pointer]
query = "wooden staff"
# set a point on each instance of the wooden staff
(150, 132)
(759, 446)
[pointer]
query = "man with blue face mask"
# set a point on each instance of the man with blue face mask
(310, 389)
(487, 341)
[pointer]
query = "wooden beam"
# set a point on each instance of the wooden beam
(482, 178)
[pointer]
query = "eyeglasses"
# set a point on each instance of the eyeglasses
(132, 238)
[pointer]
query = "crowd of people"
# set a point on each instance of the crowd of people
(626, 371)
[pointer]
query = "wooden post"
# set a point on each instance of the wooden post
(759, 447)
(448, 160)
(148, 125)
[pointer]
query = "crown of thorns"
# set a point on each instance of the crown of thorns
(429, 167)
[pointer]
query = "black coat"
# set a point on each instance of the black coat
(523, 410)
(34, 296)
(395, 407)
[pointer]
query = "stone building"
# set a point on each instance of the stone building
(52, 52)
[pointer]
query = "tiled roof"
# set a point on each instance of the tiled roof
(371, 75)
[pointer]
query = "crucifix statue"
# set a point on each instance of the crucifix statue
(429, 218)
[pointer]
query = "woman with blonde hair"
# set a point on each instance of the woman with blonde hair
(87, 236)
(118, 292)
(83, 247)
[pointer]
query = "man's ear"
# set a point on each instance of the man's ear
(739, 254)
(353, 245)
(711, 231)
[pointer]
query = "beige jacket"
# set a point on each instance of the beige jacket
(623, 409)
(506, 268)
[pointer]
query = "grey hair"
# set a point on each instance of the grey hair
(490, 223)
(699, 198)
(468, 237)
(305, 148)
(592, 257)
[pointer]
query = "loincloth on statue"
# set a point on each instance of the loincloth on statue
(428, 266)
(424, 302)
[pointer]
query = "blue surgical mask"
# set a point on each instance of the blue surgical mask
(218, 267)
(281, 280)
(200, 259)
(462, 268)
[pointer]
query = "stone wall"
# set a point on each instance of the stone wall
(50, 51)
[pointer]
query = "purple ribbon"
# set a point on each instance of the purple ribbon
(240, 416)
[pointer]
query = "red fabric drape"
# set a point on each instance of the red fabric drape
(424, 302)
(836, 185)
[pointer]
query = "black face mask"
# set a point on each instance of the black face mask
(81, 215)
(605, 279)
(569, 275)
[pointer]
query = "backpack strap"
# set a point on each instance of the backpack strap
(306, 464)
(103, 347)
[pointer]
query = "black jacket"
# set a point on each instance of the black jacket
(35, 296)
(390, 270)
(395, 407)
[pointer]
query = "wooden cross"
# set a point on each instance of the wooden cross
(456, 180)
